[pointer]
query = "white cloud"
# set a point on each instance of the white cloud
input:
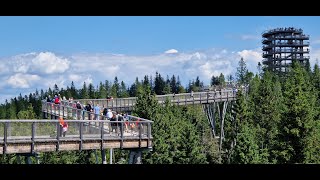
(88, 80)
(49, 63)
(22, 80)
(224, 51)
(314, 56)
(74, 77)
(171, 51)
(21, 69)
(3, 69)
(251, 57)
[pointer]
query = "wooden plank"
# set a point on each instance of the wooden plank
(25, 148)
(44, 147)
(94, 145)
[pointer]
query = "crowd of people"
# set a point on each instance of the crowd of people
(90, 112)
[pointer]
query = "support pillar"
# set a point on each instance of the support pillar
(111, 151)
(222, 115)
(103, 156)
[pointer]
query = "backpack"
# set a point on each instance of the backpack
(88, 107)
(105, 111)
(78, 106)
(56, 100)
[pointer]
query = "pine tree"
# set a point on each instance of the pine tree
(159, 84)
(27, 114)
(50, 92)
(146, 82)
(107, 86)
(241, 72)
(197, 82)
(102, 91)
(214, 81)
(221, 80)
(12, 110)
(267, 114)
(173, 85)
(316, 79)
(167, 89)
(230, 78)
(73, 91)
(297, 124)
(84, 91)
(55, 89)
(115, 88)
(123, 90)
(246, 149)
(3, 111)
(181, 89)
(146, 105)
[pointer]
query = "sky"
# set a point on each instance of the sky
(37, 52)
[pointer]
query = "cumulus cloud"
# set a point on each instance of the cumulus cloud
(171, 51)
(22, 80)
(3, 69)
(314, 56)
(251, 57)
(49, 63)
(74, 77)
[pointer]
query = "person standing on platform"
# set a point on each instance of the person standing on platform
(96, 112)
(65, 128)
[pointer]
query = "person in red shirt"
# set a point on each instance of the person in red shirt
(64, 128)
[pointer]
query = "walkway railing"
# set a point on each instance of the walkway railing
(178, 99)
(39, 133)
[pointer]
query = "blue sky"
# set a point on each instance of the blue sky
(37, 52)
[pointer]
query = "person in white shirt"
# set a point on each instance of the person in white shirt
(109, 114)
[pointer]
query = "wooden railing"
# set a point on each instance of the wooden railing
(27, 136)
(124, 104)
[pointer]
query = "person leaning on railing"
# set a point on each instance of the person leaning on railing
(126, 122)
(79, 107)
(114, 124)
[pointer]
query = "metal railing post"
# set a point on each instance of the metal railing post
(139, 134)
(102, 135)
(121, 133)
(5, 138)
(32, 137)
(58, 136)
(80, 133)
(149, 133)
(62, 112)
